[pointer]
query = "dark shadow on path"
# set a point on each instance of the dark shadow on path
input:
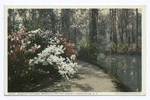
(89, 78)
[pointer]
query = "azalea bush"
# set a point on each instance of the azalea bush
(36, 55)
(69, 51)
(20, 50)
(58, 55)
(133, 49)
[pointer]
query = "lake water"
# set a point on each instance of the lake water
(131, 74)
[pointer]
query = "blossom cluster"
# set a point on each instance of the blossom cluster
(19, 46)
(38, 32)
(69, 51)
(52, 56)
(18, 42)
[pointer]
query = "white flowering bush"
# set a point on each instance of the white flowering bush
(53, 56)
(33, 56)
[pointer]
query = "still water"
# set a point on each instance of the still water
(131, 74)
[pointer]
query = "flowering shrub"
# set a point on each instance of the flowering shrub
(69, 51)
(26, 69)
(19, 49)
(18, 46)
(53, 56)
(40, 37)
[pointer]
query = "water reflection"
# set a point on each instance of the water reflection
(131, 74)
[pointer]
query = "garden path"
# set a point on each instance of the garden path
(89, 78)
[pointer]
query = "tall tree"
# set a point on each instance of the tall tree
(34, 14)
(93, 33)
(111, 24)
(53, 16)
(121, 25)
(65, 18)
(136, 40)
(93, 25)
(133, 25)
(127, 27)
(114, 27)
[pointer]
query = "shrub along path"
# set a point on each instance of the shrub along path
(89, 78)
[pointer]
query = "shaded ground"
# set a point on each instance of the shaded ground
(88, 79)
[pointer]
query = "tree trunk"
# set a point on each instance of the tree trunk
(121, 27)
(75, 36)
(133, 39)
(122, 41)
(93, 33)
(114, 28)
(128, 34)
(111, 25)
(136, 40)
(93, 25)
(126, 24)
(65, 17)
(13, 18)
(33, 14)
(53, 21)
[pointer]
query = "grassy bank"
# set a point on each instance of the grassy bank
(120, 86)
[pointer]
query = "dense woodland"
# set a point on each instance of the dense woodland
(101, 26)
(93, 31)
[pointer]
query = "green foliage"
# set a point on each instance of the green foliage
(89, 51)
(35, 25)
(112, 61)
(122, 48)
(101, 57)
(84, 43)
(29, 80)
(112, 47)
(94, 51)
(84, 49)
(123, 64)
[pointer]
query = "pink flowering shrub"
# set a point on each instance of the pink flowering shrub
(23, 47)
(19, 50)
(133, 49)
(68, 45)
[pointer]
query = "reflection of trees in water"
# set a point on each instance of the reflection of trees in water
(131, 74)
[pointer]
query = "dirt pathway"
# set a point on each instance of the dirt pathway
(89, 78)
